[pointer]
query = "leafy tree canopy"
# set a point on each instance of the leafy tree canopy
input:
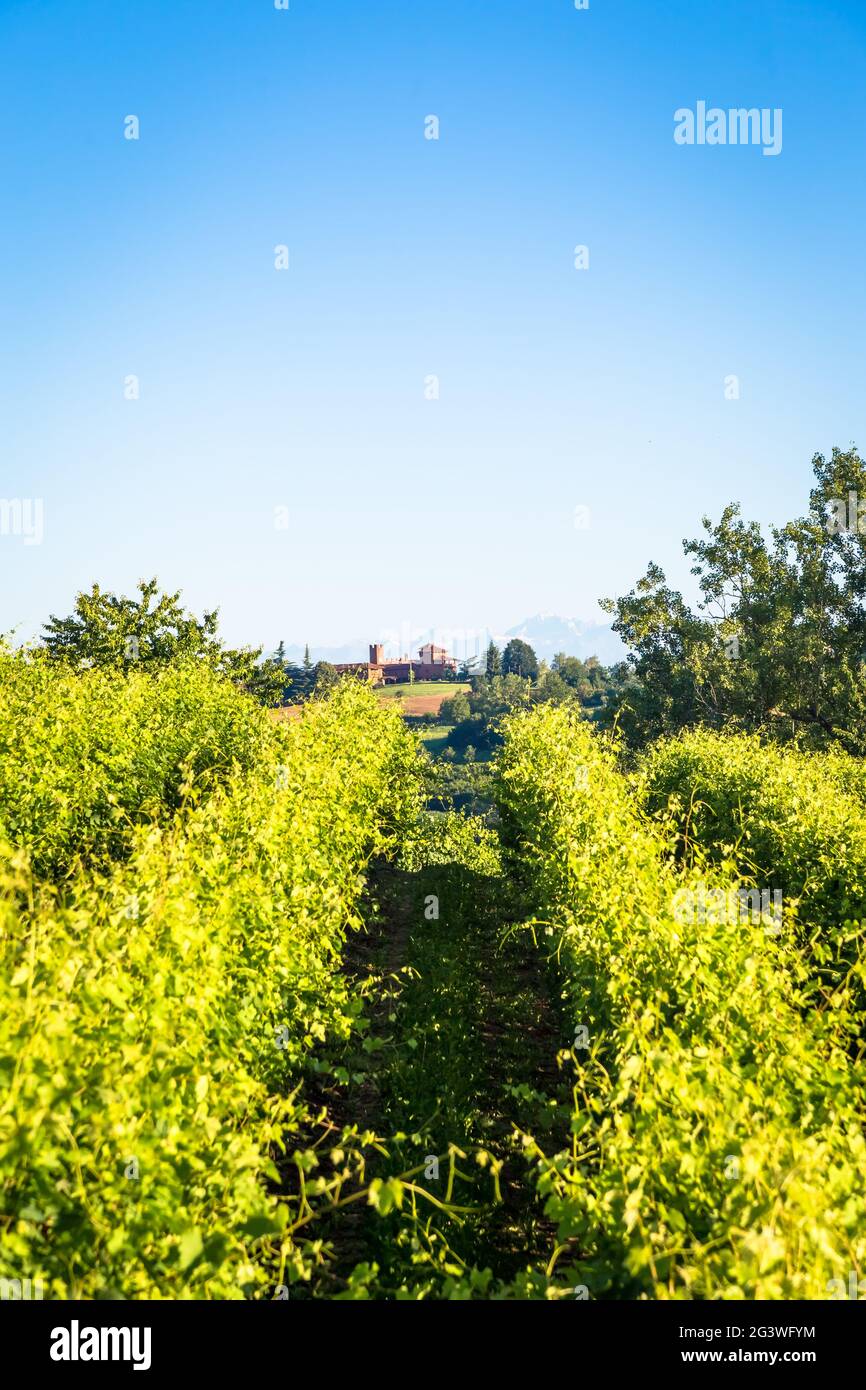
(519, 659)
(153, 630)
(777, 639)
(327, 677)
(454, 710)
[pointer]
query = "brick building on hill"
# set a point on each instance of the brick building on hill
(434, 664)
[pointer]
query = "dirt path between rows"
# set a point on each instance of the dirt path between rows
(467, 1036)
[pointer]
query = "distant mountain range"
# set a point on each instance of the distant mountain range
(546, 633)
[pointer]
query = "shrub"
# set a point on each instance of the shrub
(718, 1119)
(793, 821)
(155, 1021)
(85, 757)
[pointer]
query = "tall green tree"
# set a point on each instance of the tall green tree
(326, 677)
(493, 661)
(777, 639)
(519, 659)
(282, 666)
(302, 678)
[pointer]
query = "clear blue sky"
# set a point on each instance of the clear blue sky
(410, 257)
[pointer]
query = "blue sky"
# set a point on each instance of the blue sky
(305, 388)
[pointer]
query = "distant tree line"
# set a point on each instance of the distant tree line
(776, 641)
(513, 679)
(309, 679)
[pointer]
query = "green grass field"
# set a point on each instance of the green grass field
(444, 688)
